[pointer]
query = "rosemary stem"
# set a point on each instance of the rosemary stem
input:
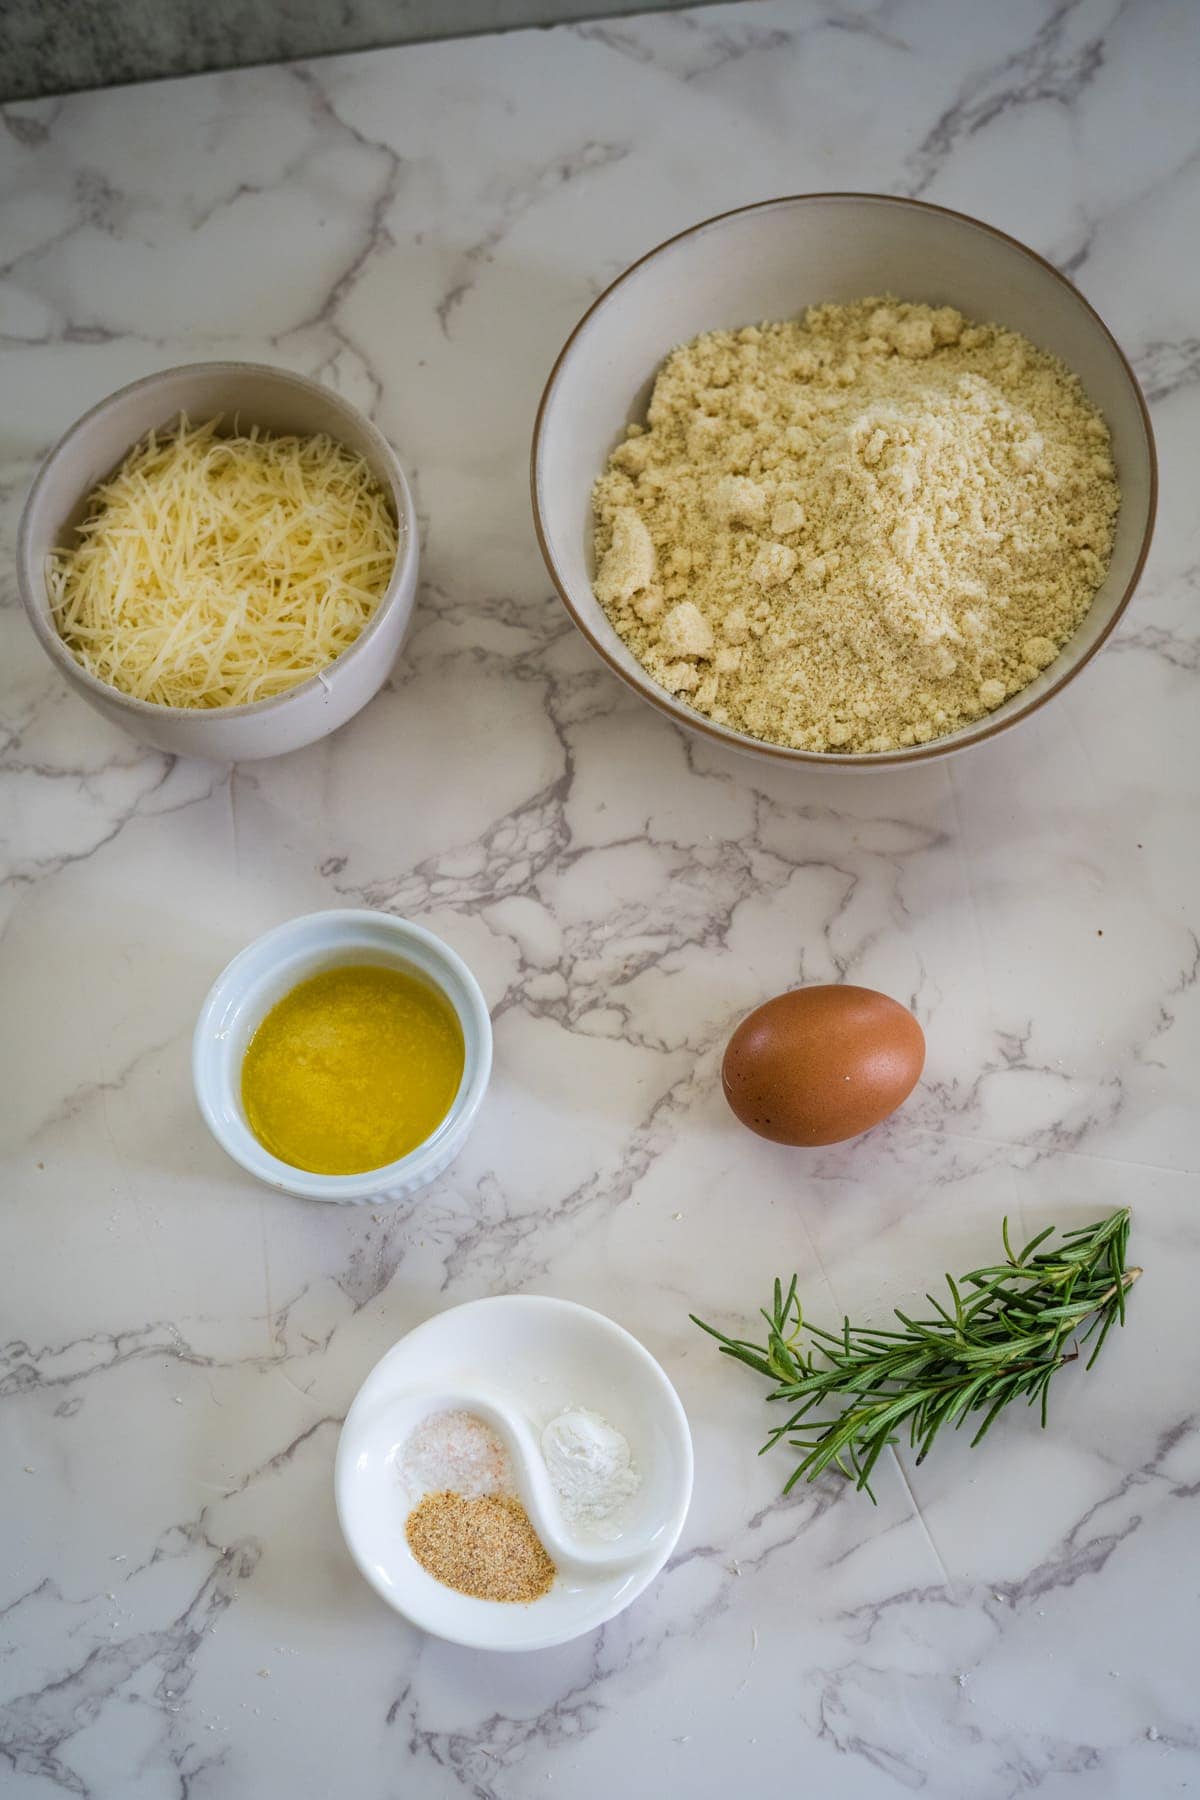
(1004, 1342)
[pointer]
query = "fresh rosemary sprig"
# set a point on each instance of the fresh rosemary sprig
(1002, 1340)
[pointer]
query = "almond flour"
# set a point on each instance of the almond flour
(856, 531)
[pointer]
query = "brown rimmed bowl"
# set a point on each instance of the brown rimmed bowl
(770, 261)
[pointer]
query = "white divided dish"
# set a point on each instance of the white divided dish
(517, 1362)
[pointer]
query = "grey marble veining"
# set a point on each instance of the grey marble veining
(421, 228)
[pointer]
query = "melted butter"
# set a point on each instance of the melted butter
(352, 1069)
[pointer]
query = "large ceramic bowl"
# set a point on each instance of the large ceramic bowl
(770, 262)
(256, 394)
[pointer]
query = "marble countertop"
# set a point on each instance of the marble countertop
(421, 227)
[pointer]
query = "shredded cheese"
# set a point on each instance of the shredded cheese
(215, 571)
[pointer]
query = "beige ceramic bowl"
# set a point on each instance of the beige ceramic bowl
(257, 395)
(769, 262)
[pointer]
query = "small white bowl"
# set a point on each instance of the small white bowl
(530, 1357)
(254, 394)
(770, 261)
(268, 969)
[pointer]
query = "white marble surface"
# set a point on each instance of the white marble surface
(421, 227)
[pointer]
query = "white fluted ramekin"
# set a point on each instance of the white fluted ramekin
(269, 968)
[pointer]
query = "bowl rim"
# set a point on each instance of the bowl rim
(736, 740)
(426, 1160)
(43, 622)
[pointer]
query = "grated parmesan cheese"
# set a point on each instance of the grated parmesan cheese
(216, 571)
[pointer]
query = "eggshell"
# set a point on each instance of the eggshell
(822, 1064)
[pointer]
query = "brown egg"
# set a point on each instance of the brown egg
(822, 1063)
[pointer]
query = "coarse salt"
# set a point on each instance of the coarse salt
(459, 1452)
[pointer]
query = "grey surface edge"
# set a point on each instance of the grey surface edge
(50, 47)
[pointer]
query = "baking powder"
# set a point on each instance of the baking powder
(590, 1465)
